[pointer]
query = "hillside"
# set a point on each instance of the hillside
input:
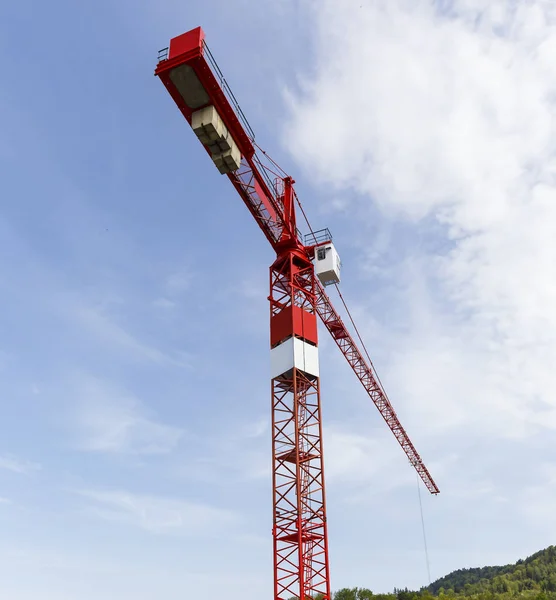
(535, 573)
(533, 579)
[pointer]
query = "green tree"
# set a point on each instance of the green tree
(346, 594)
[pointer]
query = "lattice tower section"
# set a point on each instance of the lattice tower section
(299, 520)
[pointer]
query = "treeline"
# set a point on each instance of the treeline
(531, 579)
(534, 574)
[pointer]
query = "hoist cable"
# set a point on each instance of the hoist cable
(375, 374)
(423, 528)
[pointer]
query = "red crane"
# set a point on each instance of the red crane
(304, 266)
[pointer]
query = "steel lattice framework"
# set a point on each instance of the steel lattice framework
(301, 570)
(299, 526)
(366, 375)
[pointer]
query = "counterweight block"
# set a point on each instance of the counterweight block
(212, 133)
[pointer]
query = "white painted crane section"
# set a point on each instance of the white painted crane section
(294, 353)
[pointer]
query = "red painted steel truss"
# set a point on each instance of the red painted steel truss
(299, 519)
(366, 375)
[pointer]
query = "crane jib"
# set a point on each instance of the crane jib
(194, 81)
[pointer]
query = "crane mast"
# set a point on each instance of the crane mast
(298, 276)
(299, 529)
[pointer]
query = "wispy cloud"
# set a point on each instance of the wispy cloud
(361, 465)
(164, 303)
(110, 419)
(455, 128)
(353, 458)
(447, 144)
(233, 454)
(157, 514)
(178, 282)
(111, 333)
(18, 465)
(174, 288)
(537, 501)
(256, 429)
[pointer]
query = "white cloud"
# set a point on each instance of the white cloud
(178, 282)
(158, 514)
(362, 462)
(114, 335)
(352, 458)
(449, 114)
(257, 428)
(164, 303)
(537, 501)
(110, 419)
(235, 453)
(18, 465)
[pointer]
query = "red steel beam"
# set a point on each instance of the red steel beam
(252, 180)
(364, 372)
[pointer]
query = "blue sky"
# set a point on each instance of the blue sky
(134, 412)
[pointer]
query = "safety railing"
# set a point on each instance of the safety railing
(227, 91)
(318, 237)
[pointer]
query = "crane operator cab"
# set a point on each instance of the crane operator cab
(327, 264)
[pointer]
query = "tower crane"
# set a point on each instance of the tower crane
(304, 267)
